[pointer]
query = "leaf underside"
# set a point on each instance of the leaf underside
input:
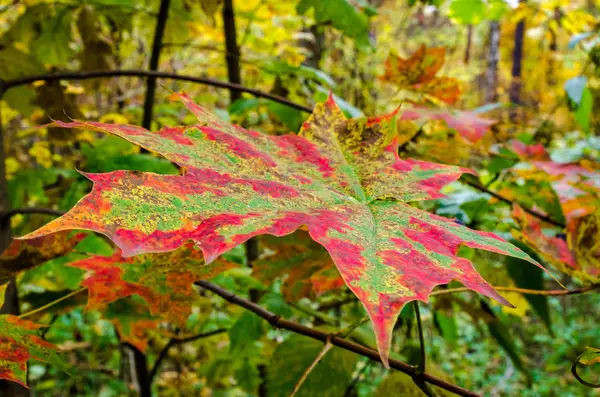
(340, 178)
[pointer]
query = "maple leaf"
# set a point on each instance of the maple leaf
(164, 280)
(309, 268)
(578, 254)
(26, 254)
(468, 124)
(341, 179)
(419, 73)
(19, 342)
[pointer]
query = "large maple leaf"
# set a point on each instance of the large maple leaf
(340, 178)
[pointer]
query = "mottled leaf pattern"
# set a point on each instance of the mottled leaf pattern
(468, 124)
(341, 179)
(164, 281)
(578, 254)
(19, 342)
(25, 254)
(306, 265)
(418, 72)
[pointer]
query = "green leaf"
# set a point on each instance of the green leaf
(447, 326)
(52, 46)
(291, 117)
(247, 329)
(467, 12)
(292, 357)
(582, 114)
(275, 303)
(528, 277)
(501, 334)
(342, 14)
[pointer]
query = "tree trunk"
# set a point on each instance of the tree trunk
(161, 22)
(492, 63)
(515, 85)
(139, 371)
(11, 302)
(469, 42)
(232, 51)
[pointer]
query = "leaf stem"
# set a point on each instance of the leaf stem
(525, 291)
(55, 302)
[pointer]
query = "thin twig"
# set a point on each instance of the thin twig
(509, 201)
(31, 210)
(62, 298)
(328, 346)
(7, 84)
(418, 379)
(356, 379)
(421, 365)
(278, 322)
(524, 291)
(174, 342)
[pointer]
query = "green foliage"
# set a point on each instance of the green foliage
(292, 357)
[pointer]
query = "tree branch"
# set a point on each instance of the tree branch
(278, 322)
(7, 84)
(508, 201)
(174, 342)
(30, 210)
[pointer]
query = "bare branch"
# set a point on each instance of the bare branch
(278, 322)
(174, 342)
(508, 201)
(7, 84)
(524, 291)
(30, 210)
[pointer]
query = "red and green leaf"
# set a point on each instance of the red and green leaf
(26, 254)
(578, 254)
(19, 342)
(341, 179)
(164, 280)
(418, 72)
(468, 124)
(307, 266)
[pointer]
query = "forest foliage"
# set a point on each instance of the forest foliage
(276, 197)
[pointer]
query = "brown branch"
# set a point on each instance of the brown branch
(30, 210)
(174, 342)
(554, 292)
(510, 202)
(7, 84)
(279, 322)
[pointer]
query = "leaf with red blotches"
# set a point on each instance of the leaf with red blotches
(578, 254)
(341, 179)
(164, 280)
(468, 124)
(26, 254)
(307, 265)
(418, 72)
(132, 321)
(19, 342)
